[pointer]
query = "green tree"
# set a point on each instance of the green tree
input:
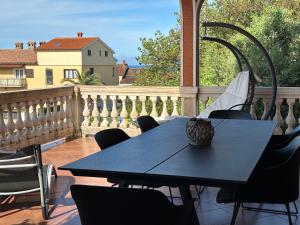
(279, 33)
(85, 78)
(161, 55)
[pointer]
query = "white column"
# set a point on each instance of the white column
(27, 121)
(69, 112)
(62, 114)
(11, 138)
(124, 113)
(86, 111)
(164, 113)
(278, 118)
(114, 112)
(105, 113)
(290, 119)
(174, 100)
(3, 128)
(95, 112)
(19, 123)
(35, 121)
(154, 113)
(43, 128)
(49, 120)
(143, 100)
(55, 115)
(134, 113)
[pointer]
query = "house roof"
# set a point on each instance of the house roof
(17, 56)
(77, 43)
(122, 69)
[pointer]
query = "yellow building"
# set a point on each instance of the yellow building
(62, 58)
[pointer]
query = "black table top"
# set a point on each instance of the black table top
(164, 153)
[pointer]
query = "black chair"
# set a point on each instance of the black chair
(22, 173)
(146, 123)
(116, 206)
(280, 141)
(276, 184)
(230, 114)
(107, 138)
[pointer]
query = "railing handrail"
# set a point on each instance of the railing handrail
(11, 97)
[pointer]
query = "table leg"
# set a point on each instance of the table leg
(187, 198)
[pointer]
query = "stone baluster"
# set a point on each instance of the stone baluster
(86, 111)
(62, 113)
(43, 121)
(49, 118)
(143, 100)
(19, 123)
(95, 112)
(175, 111)
(266, 106)
(105, 113)
(27, 121)
(134, 113)
(164, 112)
(154, 110)
(114, 112)
(3, 128)
(124, 113)
(277, 117)
(35, 121)
(69, 112)
(11, 138)
(55, 114)
(253, 109)
(290, 119)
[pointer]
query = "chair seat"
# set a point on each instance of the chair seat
(27, 181)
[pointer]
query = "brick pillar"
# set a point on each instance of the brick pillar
(190, 13)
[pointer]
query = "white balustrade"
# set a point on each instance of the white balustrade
(34, 117)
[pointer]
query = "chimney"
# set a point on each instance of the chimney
(79, 34)
(124, 62)
(19, 45)
(42, 43)
(31, 45)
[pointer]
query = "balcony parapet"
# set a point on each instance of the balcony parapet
(12, 82)
(35, 116)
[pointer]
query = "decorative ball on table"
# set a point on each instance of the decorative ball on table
(199, 131)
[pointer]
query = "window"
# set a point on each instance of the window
(70, 73)
(29, 73)
(91, 70)
(106, 53)
(19, 73)
(49, 77)
(89, 52)
(113, 72)
(100, 53)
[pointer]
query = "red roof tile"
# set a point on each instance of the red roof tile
(18, 56)
(67, 43)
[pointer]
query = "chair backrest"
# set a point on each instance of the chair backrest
(230, 114)
(146, 123)
(280, 141)
(110, 137)
(284, 168)
(19, 173)
(115, 206)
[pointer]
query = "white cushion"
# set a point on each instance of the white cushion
(236, 93)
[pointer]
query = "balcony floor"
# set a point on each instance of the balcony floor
(25, 209)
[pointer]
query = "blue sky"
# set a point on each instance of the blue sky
(119, 23)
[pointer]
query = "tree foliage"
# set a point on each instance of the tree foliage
(85, 78)
(274, 22)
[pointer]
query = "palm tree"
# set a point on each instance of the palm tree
(85, 78)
